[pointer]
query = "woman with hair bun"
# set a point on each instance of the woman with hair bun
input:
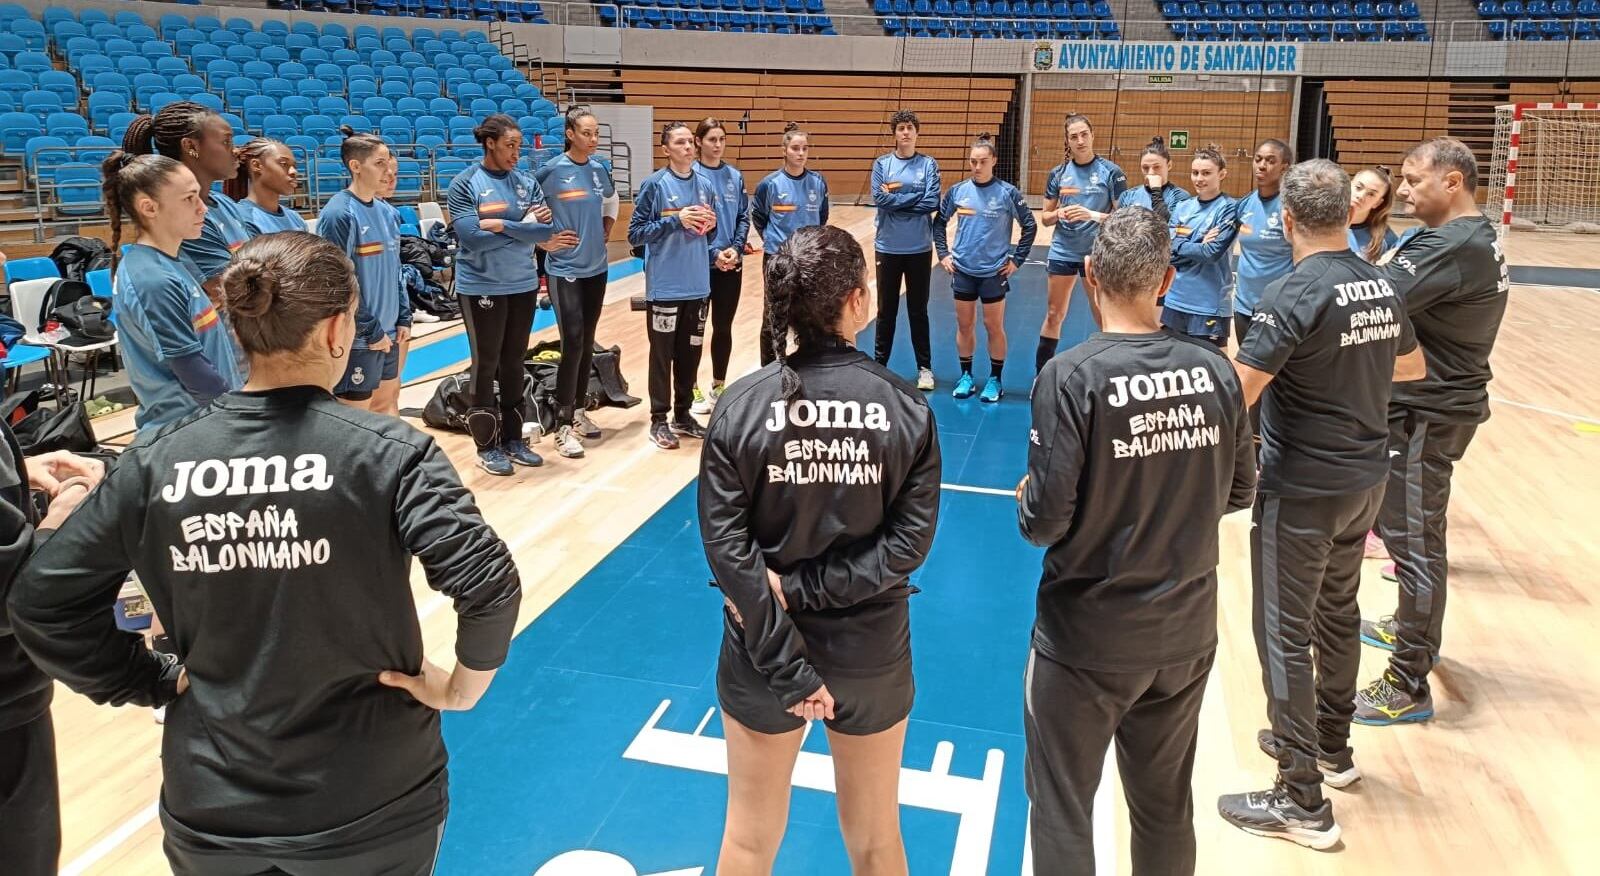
(583, 199)
(202, 140)
(790, 198)
(267, 175)
(358, 221)
(1158, 194)
(177, 348)
(302, 731)
(814, 559)
(499, 213)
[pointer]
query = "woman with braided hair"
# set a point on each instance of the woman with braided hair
(179, 353)
(813, 553)
(267, 175)
(202, 141)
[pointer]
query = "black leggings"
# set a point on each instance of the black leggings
(677, 331)
(497, 331)
(726, 286)
(917, 271)
(577, 304)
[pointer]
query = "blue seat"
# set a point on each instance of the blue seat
(319, 125)
(77, 190)
(443, 107)
(45, 153)
(103, 104)
(94, 149)
(41, 103)
(377, 106)
(297, 106)
(236, 88)
(356, 122)
(312, 88)
(63, 85)
(394, 89)
(279, 126)
(360, 89)
(396, 129)
(69, 126)
(256, 108)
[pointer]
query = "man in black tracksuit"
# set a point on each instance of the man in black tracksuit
(1453, 279)
(1323, 345)
(1140, 443)
(30, 802)
(274, 533)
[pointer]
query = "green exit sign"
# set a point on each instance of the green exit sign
(1178, 139)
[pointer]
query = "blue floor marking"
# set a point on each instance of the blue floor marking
(443, 353)
(538, 768)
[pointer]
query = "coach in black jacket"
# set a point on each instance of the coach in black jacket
(1140, 443)
(30, 806)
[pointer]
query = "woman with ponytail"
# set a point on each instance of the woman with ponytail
(202, 140)
(267, 175)
(302, 734)
(179, 353)
(814, 558)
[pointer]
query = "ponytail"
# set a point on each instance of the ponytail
(123, 177)
(808, 281)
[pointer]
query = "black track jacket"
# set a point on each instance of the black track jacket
(274, 532)
(836, 489)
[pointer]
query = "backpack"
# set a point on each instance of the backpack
(606, 387)
(426, 256)
(428, 295)
(448, 407)
(85, 315)
(41, 429)
(75, 257)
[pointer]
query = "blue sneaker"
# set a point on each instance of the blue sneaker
(991, 391)
(964, 387)
(518, 451)
(495, 462)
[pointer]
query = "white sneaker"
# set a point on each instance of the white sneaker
(423, 316)
(567, 443)
(584, 426)
(160, 714)
(925, 379)
(705, 402)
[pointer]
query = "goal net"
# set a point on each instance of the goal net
(1546, 166)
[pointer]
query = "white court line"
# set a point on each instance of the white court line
(987, 491)
(110, 842)
(1550, 411)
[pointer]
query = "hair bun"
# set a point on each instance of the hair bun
(346, 131)
(249, 288)
(790, 126)
(1158, 140)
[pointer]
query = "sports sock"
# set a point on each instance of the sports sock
(995, 367)
(1047, 349)
(966, 365)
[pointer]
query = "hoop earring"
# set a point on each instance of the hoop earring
(337, 354)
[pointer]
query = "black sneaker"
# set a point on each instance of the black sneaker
(518, 452)
(1338, 770)
(494, 461)
(661, 436)
(1273, 813)
(1386, 701)
(688, 427)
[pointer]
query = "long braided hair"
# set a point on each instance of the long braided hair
(809, 279)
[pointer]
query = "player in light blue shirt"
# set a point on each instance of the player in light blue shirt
(1203, 230)
(583, 200)
(267, 175)
(729, 243)
(789, 198)
(1158, 194)
(498, 214)
(1264, 253)
(179, 353)
(1079, 194)
(982, 261)
(673, 214)
(1371, 200)
(905, 189)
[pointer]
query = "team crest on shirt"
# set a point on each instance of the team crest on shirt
(1272, 221)
(1094, 178)
(358, 376)
(811, 197)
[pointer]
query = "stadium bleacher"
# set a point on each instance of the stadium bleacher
(1541, 19)
(1296, 22)
(997, 19)
(513, 11)
(726, 16)
(71, 84)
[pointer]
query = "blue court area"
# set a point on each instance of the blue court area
(598, 752)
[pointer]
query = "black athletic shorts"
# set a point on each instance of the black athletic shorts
(1064, 267)
(864, 701)
(966, 287)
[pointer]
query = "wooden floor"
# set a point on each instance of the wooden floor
(1499, 782)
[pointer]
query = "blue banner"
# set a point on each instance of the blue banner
(1076, 56)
